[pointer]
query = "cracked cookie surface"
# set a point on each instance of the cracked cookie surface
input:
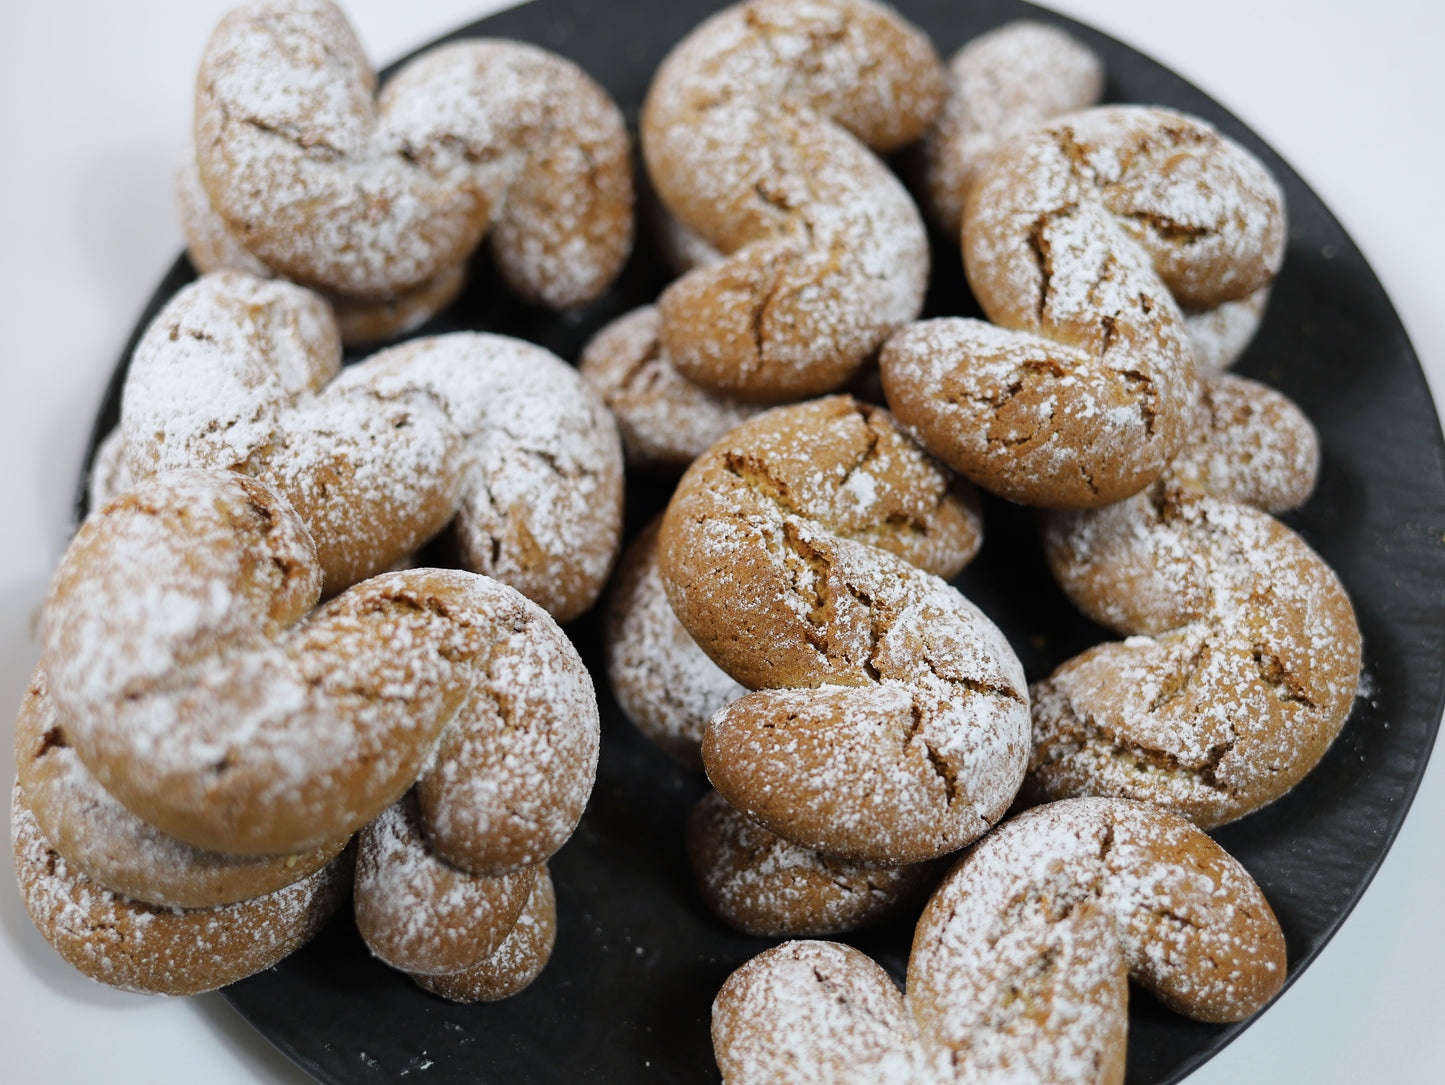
(1242, 653)
(761, 132)
(884, 720)
(1082, 239)
(496, 437)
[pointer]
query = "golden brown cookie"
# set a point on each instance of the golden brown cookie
(493, 435)
(194, 681)
(666, 421)
(1020, 960)
(886, 722)
(421, 914)
(1082, 239)
(212, 247)
(1242, 654)
(102, 840)
(372, 197)
(759, 133)
(764, 885)
(517, 961)
(163, 950)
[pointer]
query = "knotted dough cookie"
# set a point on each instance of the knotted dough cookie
(1242, 655)
(194, 680)
(496, 436)
(1082, 239)
(212, 247)
(469, 937)
(378, 198)
(888, 714)
(1009, 80)
(162, 949)
(665, 420)
(1020, 961)
(756, 133)
(103, 841)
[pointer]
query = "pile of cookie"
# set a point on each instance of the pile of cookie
(204, 735)
(788, 626)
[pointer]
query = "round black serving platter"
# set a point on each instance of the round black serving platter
(627, 994)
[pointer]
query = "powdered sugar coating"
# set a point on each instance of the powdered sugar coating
(517, 961)
(1220, 334)
(756, 132)
(886, 722)
(212, 247)
(1019, 963)
(1081, 237)
(764, 885)
(805, 1012)
(158, 950)
(665, 684)
(493, 433)
(371, 199)
(419, 913)
(191, 687)
(103, 840)
(1242, 654)
(666, 421)
(513, 772)
(1001, 83)
(1189, 922)
(1249, 444)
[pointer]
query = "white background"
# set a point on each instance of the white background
(95, 98)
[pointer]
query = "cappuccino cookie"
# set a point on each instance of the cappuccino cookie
(374, 198)
(760, 133)
(1079, 389)
(158, 949)
(495, 436)
(1242, 653)
(1020, 961)
(101, 839)
(194, 680)
(805, 554)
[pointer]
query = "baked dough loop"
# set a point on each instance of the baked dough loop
(666, 421)
(1020, 961)
(381, 199)
(1009, 80)
(493, 435)
(106, 843)
(1242, 655)
(160, 949)
(999, 84)
(469, 937)
(1082, 238)
(759, 133)
(195, 681)
(805, 554)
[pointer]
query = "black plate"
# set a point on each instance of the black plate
(627, 994)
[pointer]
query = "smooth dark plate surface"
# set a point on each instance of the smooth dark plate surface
(638, 960)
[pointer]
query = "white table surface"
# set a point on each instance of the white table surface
(95, 98)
